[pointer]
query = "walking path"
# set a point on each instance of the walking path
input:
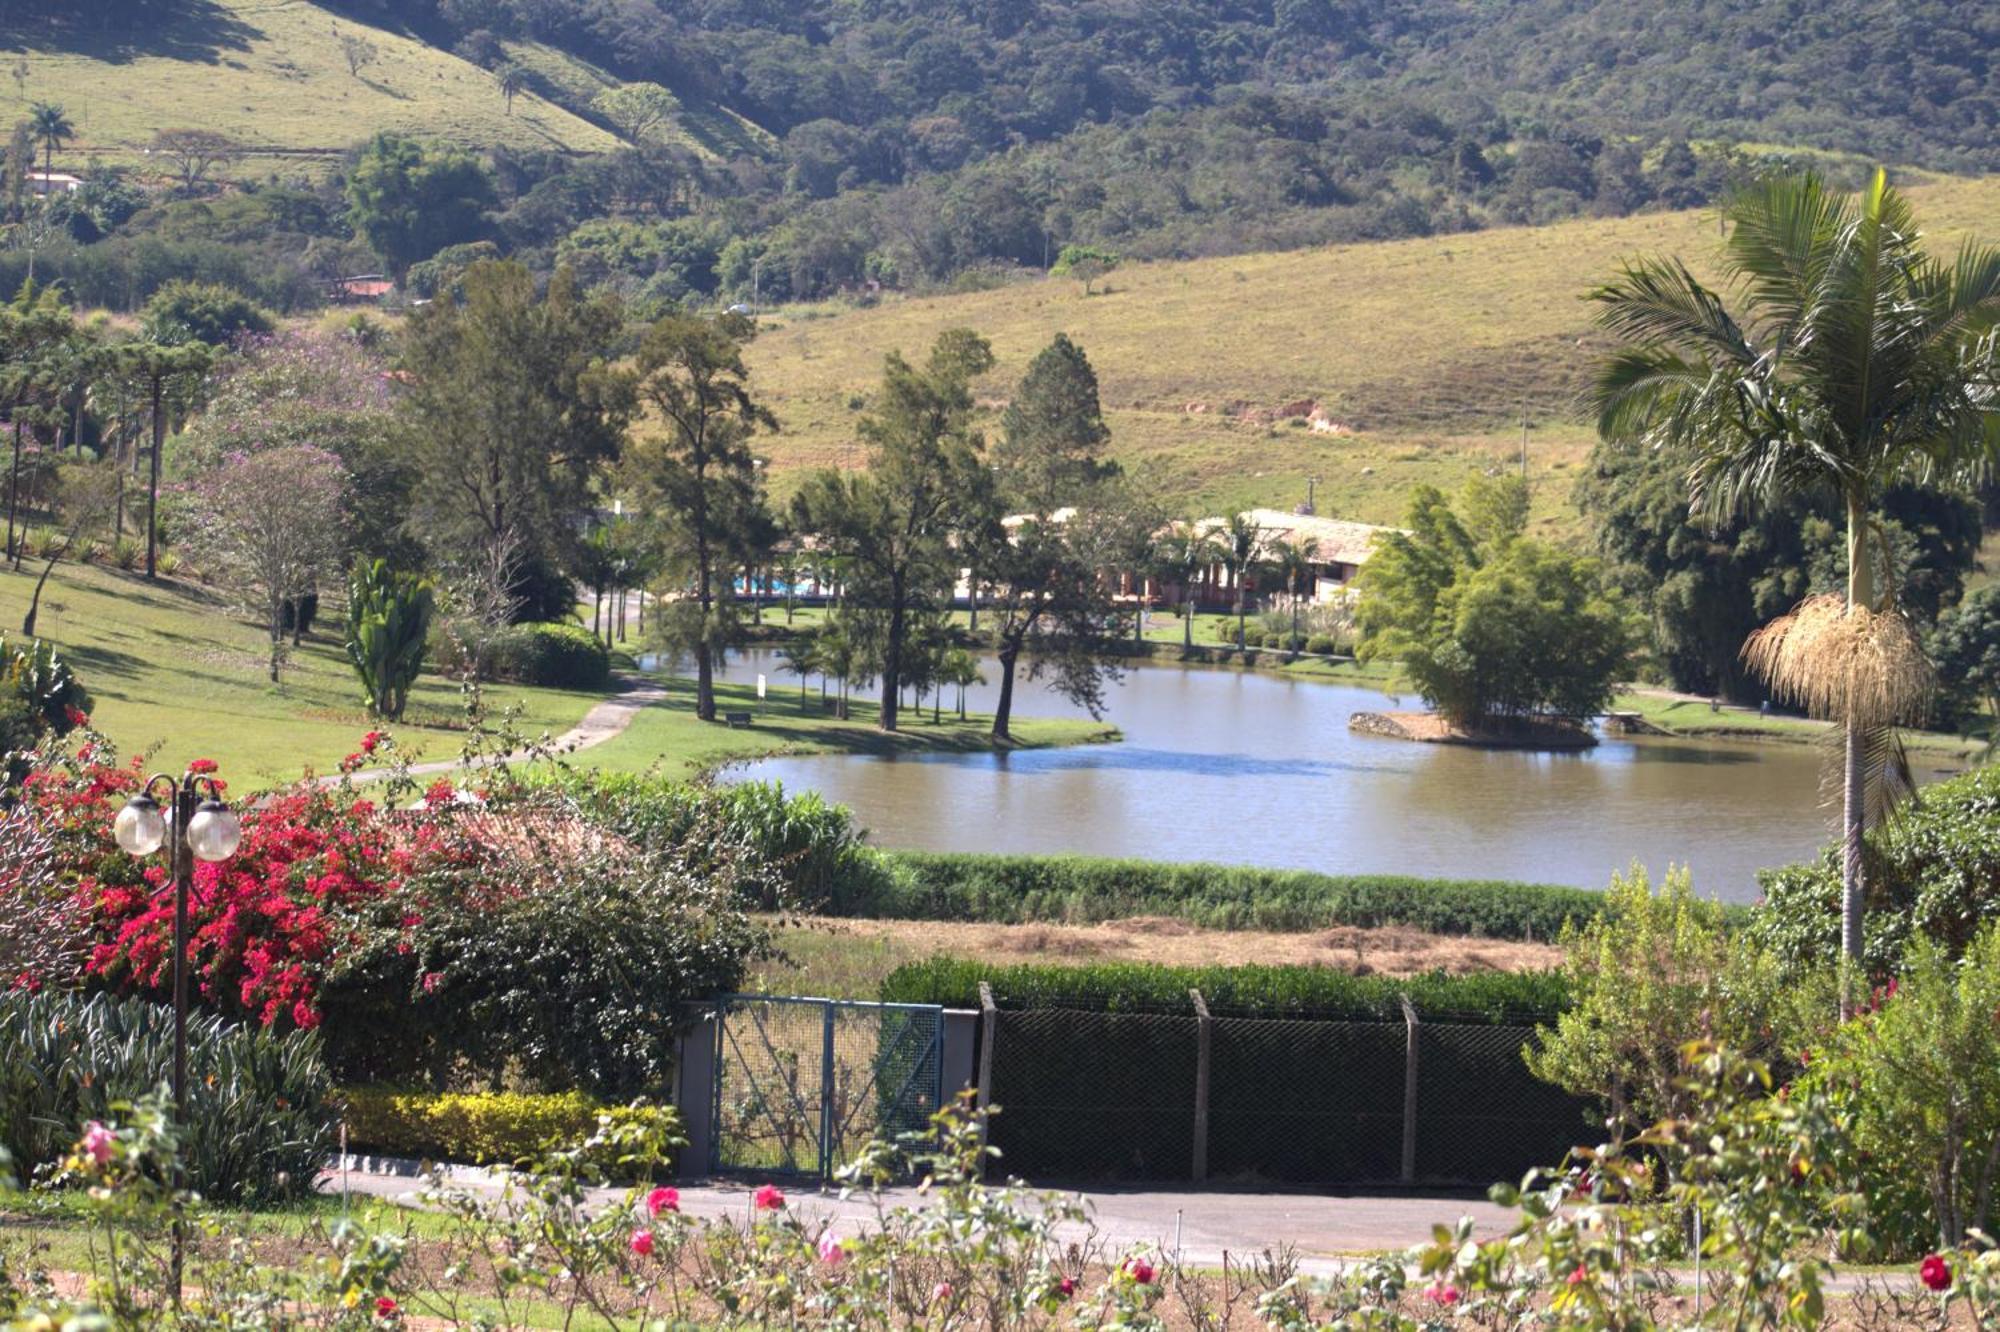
(607, 718)
(1326, 1231)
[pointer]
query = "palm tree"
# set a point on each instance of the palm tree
(1180, 557)
(512, 80)
(961, 668)
(1295, 561)
(801, 657)
(1243, 547)
(48, 122)
(1858, 359)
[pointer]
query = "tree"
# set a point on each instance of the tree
(358, 51)
(270, 524)
(1858, 360)
(1085, 263)
(1046, 550)
(636, 108)
(162, 371)
(1294, 562)
(206, 311)
(1180, 557)
(409, 200)
(511, 412)
(1244, 548)
(388, 627)
(1491, 635)
(801, 658)
(892, 525)
(961, 668)
(1967, 651)
(1647, 975)
(193, 153)
(51, 125)
(33, 327)
(89, 493)
(512, 80)
(698, 476)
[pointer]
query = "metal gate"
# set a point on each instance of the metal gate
(801, 1085)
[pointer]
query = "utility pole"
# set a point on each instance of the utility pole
(1524, 448)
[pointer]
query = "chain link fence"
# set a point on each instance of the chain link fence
(1170, 1097)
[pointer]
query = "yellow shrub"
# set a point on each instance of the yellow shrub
(485, 1127)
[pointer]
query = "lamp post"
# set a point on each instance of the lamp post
(195, 825)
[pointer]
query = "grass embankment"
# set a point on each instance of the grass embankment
(1435, 349)
(1697, 717)
(275, 78)
(850, 959)
(173, 669)
(671, 740)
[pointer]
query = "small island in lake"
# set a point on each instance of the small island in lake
(1493, 733)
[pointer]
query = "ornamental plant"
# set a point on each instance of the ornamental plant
(388, 624)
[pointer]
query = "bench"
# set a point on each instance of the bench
(736, 719)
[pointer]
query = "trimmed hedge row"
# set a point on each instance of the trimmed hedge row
(484, 1127)
(926, 885)
(1496, 997)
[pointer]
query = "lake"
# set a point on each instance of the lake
(1252, 768)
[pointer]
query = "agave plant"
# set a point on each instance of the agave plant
(388, 623)
(1856, 359)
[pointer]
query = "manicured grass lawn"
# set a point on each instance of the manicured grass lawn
(1695, 717)
(671, 739)
(174, 669)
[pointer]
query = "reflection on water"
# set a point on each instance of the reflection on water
(1259, 769)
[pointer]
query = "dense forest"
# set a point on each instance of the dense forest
(915, 143)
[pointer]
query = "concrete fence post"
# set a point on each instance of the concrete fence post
(1204, 1034)
(1409, 1090)
(694, 1090)
(989, 1022)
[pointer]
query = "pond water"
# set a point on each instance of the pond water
(1258, 769)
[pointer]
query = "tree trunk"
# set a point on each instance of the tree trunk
(277, 633)
(14, 493)
(1187, 625)
(1003, 710)
(892, 663)
(704, 664)
(1854, 779)
(153, 490)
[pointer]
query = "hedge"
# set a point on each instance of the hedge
(483, 1127)
(259, 1124)
(547, 653)
(1012, 889)
(1495, 997)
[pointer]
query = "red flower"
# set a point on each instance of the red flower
(768, 1199)
(369, 741)
(1576, 1277)
(386, 1307)
(1441, 1292)
(1066, 1287)
(1139, 1270)
(663, 1200)
(1935, 1272)
(201, 766)
(77, 716)
(642, 1242)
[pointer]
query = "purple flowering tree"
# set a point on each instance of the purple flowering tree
(270, 524)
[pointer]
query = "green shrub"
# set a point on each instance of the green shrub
(39, 694)
(488, 1127)
(1933, 872)
(1322, 645)
(817, 855)
(557, 656)
(259, 1123)
(388, 619)
(126, 553)
(1248, 991)
(929, 885)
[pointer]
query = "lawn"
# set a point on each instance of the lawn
(177, 671)
(670, 739)
(1433, 350)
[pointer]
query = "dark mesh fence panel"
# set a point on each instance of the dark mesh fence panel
(1481, 1115)
(1094, 1095)
(1306, 1102)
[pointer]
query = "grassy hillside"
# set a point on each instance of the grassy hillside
(1432, 349)
(274, 75)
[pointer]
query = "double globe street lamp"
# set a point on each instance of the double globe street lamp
(194, 825)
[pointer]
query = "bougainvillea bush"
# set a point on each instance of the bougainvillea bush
(459, 938)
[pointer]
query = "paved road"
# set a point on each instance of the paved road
(1209, 1223)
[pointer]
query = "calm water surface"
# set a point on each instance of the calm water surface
(1248, 768)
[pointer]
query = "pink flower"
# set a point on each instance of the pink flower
(431, 979)
(768, 1199)
(663, 1200)
(97, 1142)
(1066, 1287)
(1576, 1277)
(1935, 1272)
(1139, 1270)
(941, 1292)
(1441, 1292)
(642, 1242)
(831, 1251)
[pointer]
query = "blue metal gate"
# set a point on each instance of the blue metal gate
(801, 1085)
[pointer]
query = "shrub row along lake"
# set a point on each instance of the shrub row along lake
(1257, 769)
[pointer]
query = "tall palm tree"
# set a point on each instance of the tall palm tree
(1180, 556)
(1857, 359)
(48, 122)
(1243, 546)
(1294, 561)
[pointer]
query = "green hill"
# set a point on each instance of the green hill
(1432, 351)
(274, 75)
